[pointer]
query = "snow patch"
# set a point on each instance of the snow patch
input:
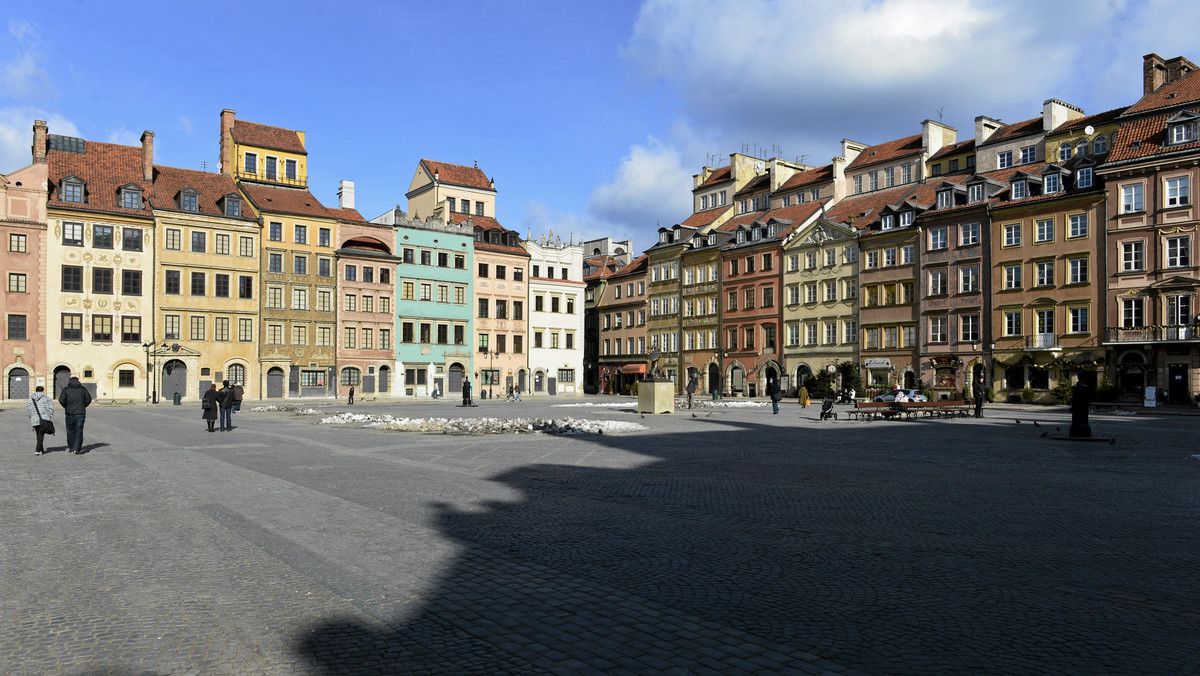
(561, 426)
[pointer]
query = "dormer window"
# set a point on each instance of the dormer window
(1050, 184)
(495, 238)
(741, 236)
(771, 230)
(1182, 133)
(975, 193)
(71, 190)
(906, 218)
(712, 239)
(233, 206)
(756, 234)
(1018, 190)
(1083, 179)
(478, 235)
(251, 166)
(130, 197)
(664, 237)
(945, 199)
(189, 200)
(888, 222)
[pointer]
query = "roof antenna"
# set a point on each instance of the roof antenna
(940, 113)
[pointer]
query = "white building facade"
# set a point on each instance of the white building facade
(556, 316)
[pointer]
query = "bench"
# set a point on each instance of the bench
(869, 410)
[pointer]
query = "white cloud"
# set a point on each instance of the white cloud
(21, 73)
(125, 137)
(16, 134)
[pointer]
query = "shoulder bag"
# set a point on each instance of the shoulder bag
(46, 426)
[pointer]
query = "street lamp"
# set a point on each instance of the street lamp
(491, 373)
(149, 371)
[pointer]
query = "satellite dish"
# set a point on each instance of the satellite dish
(759, 166)
(1089, 130)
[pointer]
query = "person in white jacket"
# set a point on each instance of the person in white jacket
(39, 404)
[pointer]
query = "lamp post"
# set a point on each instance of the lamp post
(491, 372)
(149, 371)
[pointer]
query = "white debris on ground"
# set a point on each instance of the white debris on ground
(567, 426)
(288, 409)
(1120, 412)
(606, 404)
(698, 403)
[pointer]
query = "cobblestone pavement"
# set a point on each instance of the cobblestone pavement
(729, 542)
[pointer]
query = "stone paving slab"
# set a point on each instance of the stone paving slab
(736, 542)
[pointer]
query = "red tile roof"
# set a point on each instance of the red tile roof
(1136, 139)
(1010, 131)
(104, 167)
(861, 210)
(756, 183)
(719, 176)
(266, 136)
(1177, 93)
(456, 174)
(703, 218)
(637, 265)
(741, 219)
(887, 151)
(819, 175)
(281, 200)
(170, 181)
(954, 149)
(1094, 120)
(605, 266)
(489, 224)
(350, 215)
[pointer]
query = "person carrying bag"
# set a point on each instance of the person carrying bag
(40, 410)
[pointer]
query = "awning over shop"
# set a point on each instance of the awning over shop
(634, 369)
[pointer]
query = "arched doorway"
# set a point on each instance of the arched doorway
(456, 378)
(275, 383)
(539, 380)
(521, 380)
(62, 374)
(174, 379)
(714, 378)
(237, 374)
(385, 379)
(737, 380)
(18, 384)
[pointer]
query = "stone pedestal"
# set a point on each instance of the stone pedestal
(656, 396)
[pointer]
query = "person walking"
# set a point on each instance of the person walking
(692, 384)
(40, 409)
(517, 394)
(75, 399)
(775, 394)
(803, 397)
(225, 401)
(350, 401)
(237, 396)
(979, 395)
(209, 406)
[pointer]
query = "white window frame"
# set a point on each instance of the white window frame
(1176, 191)
(1132, 196)
(1133, 256)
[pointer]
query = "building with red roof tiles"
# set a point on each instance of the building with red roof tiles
(298, 293)
(366, 272)
(1000, 146)
(23, 231)
(752, 309)
(501, 291)
(820, 303)
(207, 303)
(700, 305)
(1152, 220)
(664, 296)
(99, 263)
(450, 192)
(604, 257)
(621, 309)
(952, 159)
(809, 185)
(893, 163)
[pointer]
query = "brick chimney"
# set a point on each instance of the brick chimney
(345, 194)
(225, 159)
(1154, 72)
(39, 141)
(147, 156)
(1178, 68)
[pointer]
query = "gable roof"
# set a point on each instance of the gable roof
(281, 200)
(1094, 120)
(1141, 138)
(861, 210)
(954, 149)
(457, 174)
(1017, 129)
(703, 218)
(1178, 93)
(808, 176)
(887, 151)
(105, 168)
(212, 188)
(266, 136)
(603, 266)
(488, 224)
(638, 264)
(719, 176)
(348, 215)
(757, 183)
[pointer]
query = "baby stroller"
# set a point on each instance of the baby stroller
(827, 411)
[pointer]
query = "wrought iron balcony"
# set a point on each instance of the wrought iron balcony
(1152, 334)
(1042, 341)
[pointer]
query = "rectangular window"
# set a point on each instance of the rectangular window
(245, 286)
(245, 330)
(1132, 313)
(17, 282)
(937, 329)
(102, 280)
(221, 329)
(17, 243)
(385, 339)
(1012, 235)
(173, 239)
(72, 234)
(102, 328)
(351, 302)
(1079, 320)
(969, 280)
(1028, 154)
(251, 163)
(1018, 190)
(1012, 323)
(323, 237)
(348, 340)
(246, 247)
(275, 262)
(300, 337)
(1043, 230)
(197, 328)
(937, 282)
(975, 193)
(198, 284)
(1045, 273)
(72, 278)
(221, 286)
(970, 234)
(1178, 252)
(1177, 191)
(223, 244)
(275, 297)
(301, 234)
(274, 334)
(1012, 276)
(1131, 198)
(276, 232)
(907, 253)
(1133, 256)
(937, 238)
(1079, 270)
(17, 327)
(969, 328)
(72, 327)
(483, 270)
(1004, 160)
(171, 282)
(102, 236)
(199, 245)
(426, 258)
(289, 172)
(1083, 179)
(171, 325)
(1079, 226)
(1050, 184)
(300, 265)
(299, 299)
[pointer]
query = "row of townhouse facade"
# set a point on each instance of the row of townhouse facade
(1032, 255)
(152, 281)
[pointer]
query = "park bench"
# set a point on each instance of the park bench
(869, 410)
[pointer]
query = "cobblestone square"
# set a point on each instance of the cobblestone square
(716, 541)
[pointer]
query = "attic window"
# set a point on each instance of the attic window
(771, 230)
(712, 239)
(71, 190)
(1050, 184)
(1183, 133)
(131, 198)
(478, 235)
(741, 236)
(889, 221)
(756, 234)
(233, 206)
(975, 193)
(189, 200)
(945, 198)
(1018, 190)
(664, 237)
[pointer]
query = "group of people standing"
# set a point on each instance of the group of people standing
(74, 399)
(225, 402)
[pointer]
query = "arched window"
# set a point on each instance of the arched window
(1064, 152)
(237, 374)
(1081, 148)
(351, 376)
(1100, 145)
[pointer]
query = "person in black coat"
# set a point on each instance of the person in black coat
(75, 399)
(775, 394)
(209, 405)
(979, 394)
(225, 400)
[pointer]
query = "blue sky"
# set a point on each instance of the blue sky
(590, 117)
